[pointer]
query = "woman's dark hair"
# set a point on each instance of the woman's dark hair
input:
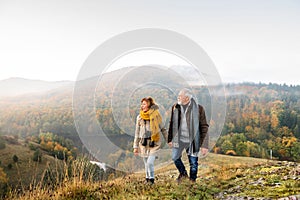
(149, 100)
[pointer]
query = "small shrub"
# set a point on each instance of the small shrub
(2, 143)
(9, 166)
(15, 158)
(32, 147)
(37, 156)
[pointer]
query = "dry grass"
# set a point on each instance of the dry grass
(217, 174)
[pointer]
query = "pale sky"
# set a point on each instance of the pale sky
(251, 40)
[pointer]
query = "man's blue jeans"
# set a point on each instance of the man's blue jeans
(176, 157)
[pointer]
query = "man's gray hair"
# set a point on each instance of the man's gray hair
(187, 92)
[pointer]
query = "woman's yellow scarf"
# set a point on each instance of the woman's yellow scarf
(155, 119)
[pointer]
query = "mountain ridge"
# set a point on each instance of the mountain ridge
(16, 86)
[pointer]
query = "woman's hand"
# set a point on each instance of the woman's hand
(136, 151)
(204, 151)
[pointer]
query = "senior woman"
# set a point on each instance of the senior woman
(147, 140)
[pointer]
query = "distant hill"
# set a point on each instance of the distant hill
(16, 86)
(20, 86)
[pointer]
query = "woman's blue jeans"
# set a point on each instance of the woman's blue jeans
(149, 166)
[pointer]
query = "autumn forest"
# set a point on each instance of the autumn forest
(260, 119)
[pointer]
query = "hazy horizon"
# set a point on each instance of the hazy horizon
(73, 81)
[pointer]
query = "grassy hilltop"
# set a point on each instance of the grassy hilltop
(219, 177)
